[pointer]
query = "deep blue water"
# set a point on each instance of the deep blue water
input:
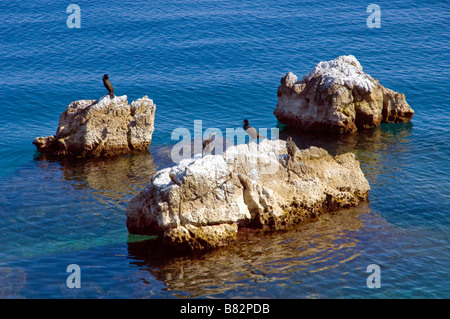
(220, 62)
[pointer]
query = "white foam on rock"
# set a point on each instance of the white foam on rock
(344, 70)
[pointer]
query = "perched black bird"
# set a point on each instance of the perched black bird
(208, 144)
(291, 150)
(108, 85)
(291, 147)
(251, 131)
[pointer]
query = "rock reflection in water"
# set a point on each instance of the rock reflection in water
(375, 149)
(372, 140)
(110, 177)
(285, 257)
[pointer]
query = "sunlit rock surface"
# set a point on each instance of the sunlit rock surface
(338, 97)
(105, 127)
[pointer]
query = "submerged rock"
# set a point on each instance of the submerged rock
(201, 203)
(337, 96)
(109, 126)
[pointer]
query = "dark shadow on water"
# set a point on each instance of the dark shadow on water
(376, 150)
(369, 141)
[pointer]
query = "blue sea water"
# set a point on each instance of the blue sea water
(220, 62)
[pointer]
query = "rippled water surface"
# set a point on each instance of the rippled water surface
(220, 62)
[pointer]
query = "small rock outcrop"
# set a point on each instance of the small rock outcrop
(337, 96)
(105, 127)
(202, 203)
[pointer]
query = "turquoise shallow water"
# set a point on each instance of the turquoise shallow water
(192, 57)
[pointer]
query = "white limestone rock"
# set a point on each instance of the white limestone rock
(201, 203)
(338, 97)
(109, 126)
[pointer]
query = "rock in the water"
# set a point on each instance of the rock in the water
(201, 203)
(337, 96)
(109, 126)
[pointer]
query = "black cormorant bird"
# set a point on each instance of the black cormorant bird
(208, 144)
(291, 148)
(108, 85)
(251, 131)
